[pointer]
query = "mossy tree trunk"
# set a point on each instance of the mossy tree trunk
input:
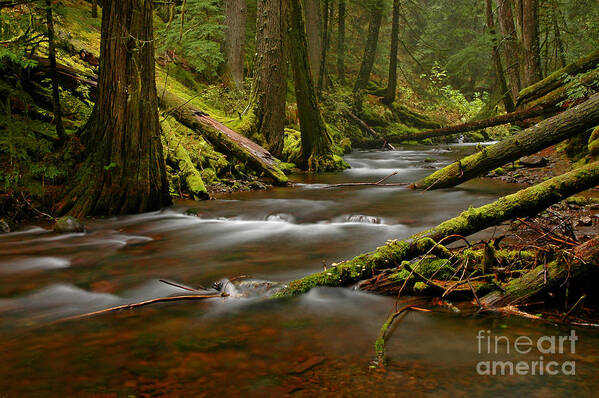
(341, 42)
(374, 26)
(389, 97)
(53, 74)
(526, 202)
(270, 87)
(549, 132)
(235, 18)
(94, 8)
(125, 169)
(316, 141)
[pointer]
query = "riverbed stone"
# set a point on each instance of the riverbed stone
(534, 161)
(68, 224)
(4, 227)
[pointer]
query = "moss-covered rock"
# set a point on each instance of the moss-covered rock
(68, 224)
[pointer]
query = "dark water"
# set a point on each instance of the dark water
(320, 344)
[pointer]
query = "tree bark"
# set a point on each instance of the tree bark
(526, 202)
(530, 41)
(316, 141)
(313, 26)
(549, 132)
(389, 97)
(477, 125)
(511, 47)
(125, 169)
(376, 17)
(223, 138)
(53, 74)
(270, 87)
(341, 43)
(94, 8)
(506, 96)
(235, 17)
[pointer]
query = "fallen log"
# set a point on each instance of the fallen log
(370, 131)
(549, 132)
(222, 138)
(219, 135)
(557, 78)
(477, 125)
(575, 264)
(526, 202)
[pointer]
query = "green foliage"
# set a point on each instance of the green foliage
(198, 40)
(451, 98)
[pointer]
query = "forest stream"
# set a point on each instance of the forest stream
(318, 344)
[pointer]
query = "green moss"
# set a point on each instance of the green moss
(420, 287)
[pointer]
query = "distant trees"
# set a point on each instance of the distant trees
(389, 97)
(376, 17)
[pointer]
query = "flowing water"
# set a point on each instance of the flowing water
(319, 344)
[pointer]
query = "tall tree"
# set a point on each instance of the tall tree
(125, 170)
(511, 49)
(530, 42)
(376, 17)
(498, 65)
(269, 91)
(235, 17)
(389, 97)
(313, 20)
(94, 8)
(328, 15)
(559, 43)
(341, 42)
(55, 88)
(316, 141)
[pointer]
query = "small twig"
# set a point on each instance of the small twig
(142, 304)
(378, 183)
(180, 286)
(567, 314)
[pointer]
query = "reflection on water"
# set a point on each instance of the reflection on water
(247, 344)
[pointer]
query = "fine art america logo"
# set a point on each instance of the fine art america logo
(490, 344)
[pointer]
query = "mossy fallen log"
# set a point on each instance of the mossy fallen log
(177, 154)
(222, 137)
(526, 202)
(574, 264)
(557, 78)
(476, 125)
(560, 94)
(549, 132)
